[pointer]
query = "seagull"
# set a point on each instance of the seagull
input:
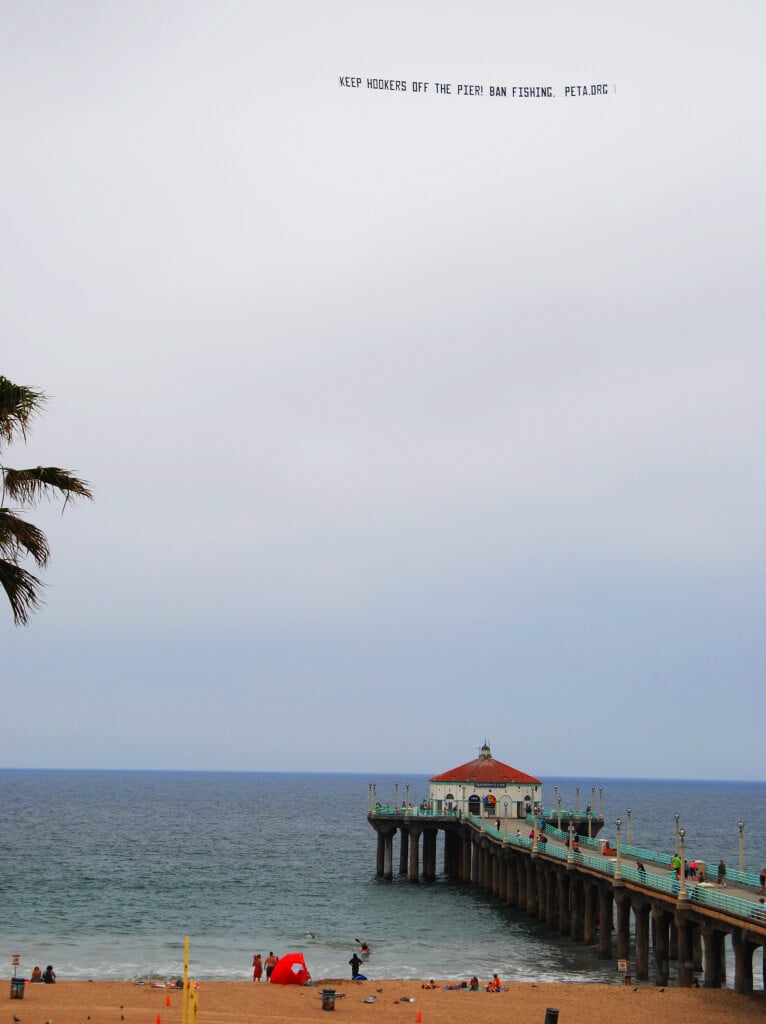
(16, 1020)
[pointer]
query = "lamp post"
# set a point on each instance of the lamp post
(618, 865)
(396, 795)
(593, 799)
(558, 813)
(630, 831)
(682, 869)
(463, 789)
(570, 848)
(678, 818)
(741, 827)
(577, 802)
(407, 799)
(601, 801)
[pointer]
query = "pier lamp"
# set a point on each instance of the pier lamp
(590, 824)
(593, 799)
(555, 793)
(601, 801)
(570, 850)
(678, 818)
(741, 827)
(577, 802)
(463, 790)
(682, 872)
(558, 813)
(618, 865)
(407, 799)
(630, 831)
(396, 795)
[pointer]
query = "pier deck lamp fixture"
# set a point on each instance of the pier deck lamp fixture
(682, 869)
(741, 827)
(630, 831)
(601, 801)
(678, 819)
(570, 848)
(558, 813)
(577, 801)
(618, 865)
(407, 799)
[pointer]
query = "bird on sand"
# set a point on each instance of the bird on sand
(16, 1020)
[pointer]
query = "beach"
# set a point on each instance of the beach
(233, 1002)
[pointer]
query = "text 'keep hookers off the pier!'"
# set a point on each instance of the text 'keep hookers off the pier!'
(478, 90)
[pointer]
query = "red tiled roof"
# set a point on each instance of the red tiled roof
(486, 770)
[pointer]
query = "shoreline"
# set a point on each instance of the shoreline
(395, 1002)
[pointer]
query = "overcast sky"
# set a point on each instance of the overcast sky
(412, 418)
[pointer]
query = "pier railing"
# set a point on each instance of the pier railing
(589, 855)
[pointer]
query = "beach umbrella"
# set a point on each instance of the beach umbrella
(290, 969)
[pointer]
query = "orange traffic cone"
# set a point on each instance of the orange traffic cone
(158, 1019)
(419, 1019)
(167, 1000)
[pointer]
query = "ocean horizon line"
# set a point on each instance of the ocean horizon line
(371, 776)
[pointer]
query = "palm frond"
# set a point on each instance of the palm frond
(22, 588)
(18, 404)
(29, 485)
(18, 537)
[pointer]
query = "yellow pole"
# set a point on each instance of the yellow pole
(185, 996)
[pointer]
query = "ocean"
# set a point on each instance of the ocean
(103, 873)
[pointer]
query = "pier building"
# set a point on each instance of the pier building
(486, 788)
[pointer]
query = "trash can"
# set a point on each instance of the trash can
(551, 1016)
(328, 998)
(17, 988)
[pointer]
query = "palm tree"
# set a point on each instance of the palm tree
(18, 538)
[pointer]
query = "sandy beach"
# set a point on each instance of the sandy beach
(233, 1002)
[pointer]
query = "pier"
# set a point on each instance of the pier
(580, 887)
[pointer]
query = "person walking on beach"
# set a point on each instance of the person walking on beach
(762, 880)
(356, 963)
(722, 873)
(257, 967)
(271, 963)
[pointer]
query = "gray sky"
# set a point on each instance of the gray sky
(412, 419)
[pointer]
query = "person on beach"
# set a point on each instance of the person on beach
(473, 984)
(257, 967)
(271, 963)
(49, 975)
(495, 985)
(722, 873)
(762, 880)
(356, 963)
(37, 975)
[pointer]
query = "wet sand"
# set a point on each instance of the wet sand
(235, 1002)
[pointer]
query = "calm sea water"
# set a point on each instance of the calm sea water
(103, 874)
